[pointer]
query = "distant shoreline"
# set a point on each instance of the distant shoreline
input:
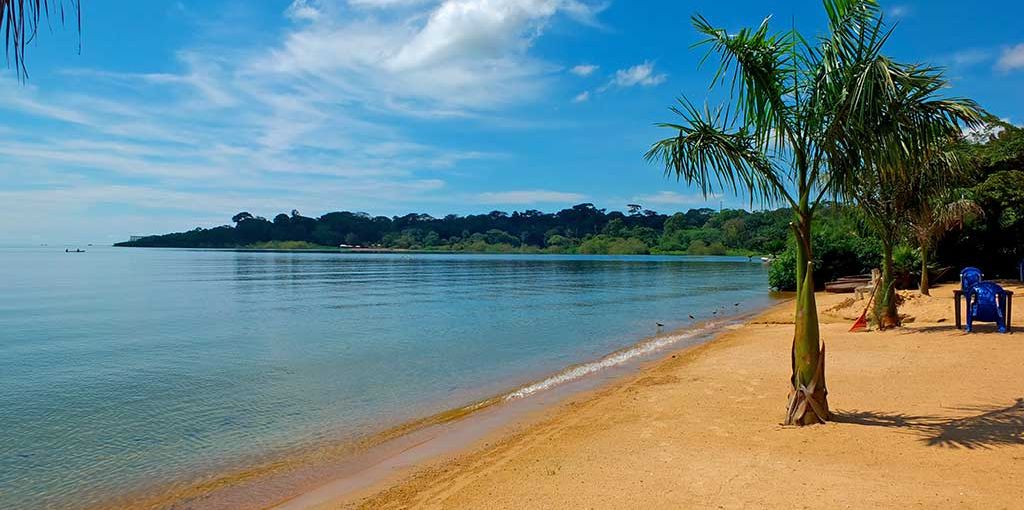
(431, 252)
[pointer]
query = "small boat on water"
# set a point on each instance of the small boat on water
(77, 250)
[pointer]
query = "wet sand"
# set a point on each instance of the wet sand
(926, 416)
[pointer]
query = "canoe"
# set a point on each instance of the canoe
(846, 285)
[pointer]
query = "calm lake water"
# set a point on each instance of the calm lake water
(126, 368)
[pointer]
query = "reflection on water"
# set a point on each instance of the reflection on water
(127, 367)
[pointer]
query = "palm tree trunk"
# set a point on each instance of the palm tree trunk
(885, 307)
(924, 271)
(808, 403)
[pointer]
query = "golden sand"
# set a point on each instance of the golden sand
(926, 417)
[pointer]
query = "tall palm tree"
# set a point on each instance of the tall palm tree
(911, 117)
(792, 135)
(20, 19)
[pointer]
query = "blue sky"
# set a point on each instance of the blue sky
(181, 113)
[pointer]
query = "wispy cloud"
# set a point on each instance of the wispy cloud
(582, 97)
(459, 56)
(969, 57)
(643, 75)
(1011, 59)
(674, 199)
(526, 197)
(309, 121)
(899, 10)
(584, 69)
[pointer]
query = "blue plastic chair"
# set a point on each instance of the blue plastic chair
(986, 302)
(970, 277)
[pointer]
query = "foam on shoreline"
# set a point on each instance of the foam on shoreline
(614, 359)
(353, 464)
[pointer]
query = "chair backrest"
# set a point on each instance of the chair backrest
(969, 277)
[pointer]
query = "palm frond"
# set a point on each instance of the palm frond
(952, 214)
(757, 65)
(711, 152)
(19, 21)
(894, 121)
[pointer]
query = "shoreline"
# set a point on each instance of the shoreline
(400, 251)
(700, 427)
(352, 465)
(512, 410)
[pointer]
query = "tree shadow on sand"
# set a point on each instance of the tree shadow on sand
(988, 427)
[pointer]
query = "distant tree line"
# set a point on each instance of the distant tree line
(843, 242)
(582, 228)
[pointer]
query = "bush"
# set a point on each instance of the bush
(837, 253)
(607, 245)
(782, 273)
(698, 247)
(287, 245)
(631, 246)
(906, 266)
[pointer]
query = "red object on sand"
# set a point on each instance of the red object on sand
(862, 322)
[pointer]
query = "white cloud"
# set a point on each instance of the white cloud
(969, 57)
(642, 74)
(458, 56)
(1011, 59)
(301, 10)
(984, 133)
(307, 123)
(899, 11)
(584, 69)
(582, 97)
(384, 4)
(673, 198)
(523, 197)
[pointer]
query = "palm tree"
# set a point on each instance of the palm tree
(935, 214)
(20, 19)
(792, 135)
(910, 116)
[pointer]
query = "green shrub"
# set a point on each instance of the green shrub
(287, 245)
(837, 252)
(631, 246)
(906, 266)
(604, 244)
(782, 273)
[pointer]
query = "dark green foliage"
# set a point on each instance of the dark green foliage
(580, 229)
(840, 245)
(906, 265)
(995, 242)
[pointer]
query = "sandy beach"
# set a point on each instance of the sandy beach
(926, 416)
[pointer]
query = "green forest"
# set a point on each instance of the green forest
(843, 242)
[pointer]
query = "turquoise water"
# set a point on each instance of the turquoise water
(127, 368)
